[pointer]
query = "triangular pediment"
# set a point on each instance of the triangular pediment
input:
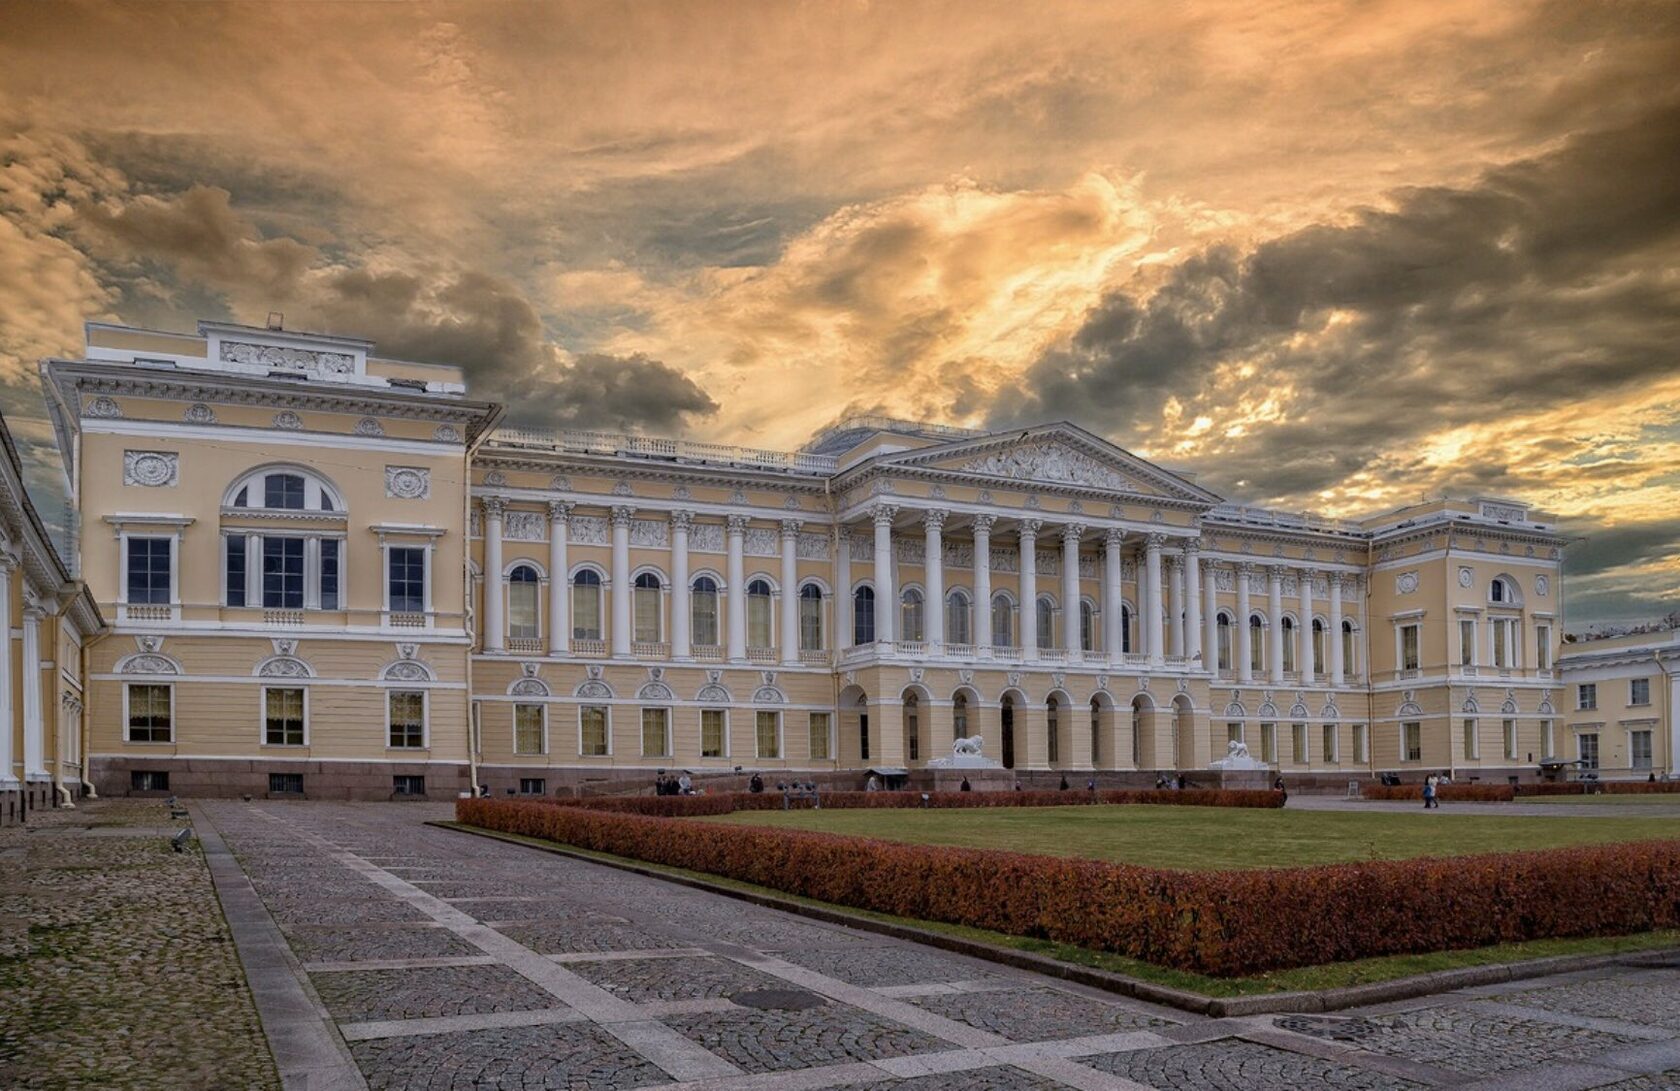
(1061, 455)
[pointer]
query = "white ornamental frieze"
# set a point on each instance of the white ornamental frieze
(408, 482)
(1049, 563)
(1048, 462)
(761, 542)
(1088, 566)
(525, 526)
(588, 530)
(292, 359)
(959, 554)
(151, 469)
(863, 547)
(706, 538)
(1006, 559)
(909, 550)
(813, 547)
(650, 534)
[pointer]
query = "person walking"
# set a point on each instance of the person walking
(1429, 790)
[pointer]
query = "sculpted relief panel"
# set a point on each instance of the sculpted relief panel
(241, 352)
(1049, 462)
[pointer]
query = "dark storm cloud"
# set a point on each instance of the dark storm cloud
(616, 392)
(1544, 282)
(1634, 544)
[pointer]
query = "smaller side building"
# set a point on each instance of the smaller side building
(49, 619)
(1622, 693)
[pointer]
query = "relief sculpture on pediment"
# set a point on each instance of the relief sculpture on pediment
(1048, 462)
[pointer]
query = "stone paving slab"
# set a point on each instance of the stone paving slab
(1037, 1014)
(643, 980)
(1233, 1065)
(351, 944)
(769, 1041)
(576, 1057)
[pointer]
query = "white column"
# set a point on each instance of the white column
(843, 606)
(1029, 588)
(1193, 600)
(8, 756)
(1152, 565)
(1245, 634)
(790, 591)
(1304, 654)
(495, 597)
(1274, 622)
(34, 730)
(1337, 667)
(1070, 589)
(736, 574)
(621, 583)
(933, 573)
(1114, 596)
(886, 598)
(559, 580)
(1175, 605)
(1210, 621)
(983, 582)
(682, 626)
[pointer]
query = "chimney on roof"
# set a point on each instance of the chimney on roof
(276, 320)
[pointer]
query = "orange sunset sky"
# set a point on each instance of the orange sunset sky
(1327, 255)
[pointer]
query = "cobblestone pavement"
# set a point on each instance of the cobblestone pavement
(437, 960)
(116, 966)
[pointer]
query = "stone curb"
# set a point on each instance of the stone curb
(1323, 1000)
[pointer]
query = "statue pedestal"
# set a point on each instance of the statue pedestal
(989, 779)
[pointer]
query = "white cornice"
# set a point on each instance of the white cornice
(153, 429)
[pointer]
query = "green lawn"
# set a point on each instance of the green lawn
(1671, 799)
(1203, 838)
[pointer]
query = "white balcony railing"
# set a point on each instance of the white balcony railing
(528, 645)
(761, 655)
(291, 618)
(707, 653)
(665, 450)
(141, 612)
(588, 648)
(647, 649)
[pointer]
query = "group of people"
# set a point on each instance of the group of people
(666, 785)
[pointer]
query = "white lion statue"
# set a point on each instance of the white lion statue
(970, 745)
(1237, 749)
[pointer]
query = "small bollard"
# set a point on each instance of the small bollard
(179, 841)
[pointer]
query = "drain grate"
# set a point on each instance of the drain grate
(1329, 1026)
(781, 999)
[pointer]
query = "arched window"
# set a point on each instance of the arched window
(1003, 616)
(911, 623)
(760, 632)
(1317, 646)
(959, 716)
(1046, 622)
(810, 618)
(293, 568)
(1125, 628)
(1256, 642)
(649, 609)
(1349, 645)
(586, 605)
(863, 615)
(287, 489)
(1087, 627)
(1288, 643)
(1053, 731)
(957, 630)
(1223, 631)
(523, 600)
(703, 613)
(912, 727)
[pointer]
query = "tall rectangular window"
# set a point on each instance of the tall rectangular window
(1639, 691)
(1411, 741)
(1359, 744)
(407, 713)
(656, 733)
(329, 573)
(1639, 749)
(1330, 748)
(592, 731)
(649, 601)
(283, 716)
(1409, 653)
(1298, 743)
(820, 722)
(1543, 647)
(1466, 642)
(282, 573)
(1548, 747)
(1268, 743)
(529, 736)
(150, 716)
(769, 732)
(1586, 696)
(1470, 748)
(713, 723)
(408, 580)
(1501, 643)
(863, 735)
(234, 546)
(810, 620)
(148, 570)
(1509, 727)
(1233, 733)
(1586, 749)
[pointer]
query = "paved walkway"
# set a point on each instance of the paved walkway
(415, 957)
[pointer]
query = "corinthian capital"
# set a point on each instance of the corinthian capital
(884, 514)
(622, 515)
(983, 523)
(558, 510)
(1072, 532)
(1031, 527)
(790, 527)
(493, 506)
(736, 524)
(934, 518)
(682, 520)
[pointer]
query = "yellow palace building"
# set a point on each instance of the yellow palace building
(312, 570)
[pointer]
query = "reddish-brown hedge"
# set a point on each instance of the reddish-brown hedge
(1608, 787)
(725, 802)
(1446, 793)
(1225, 923)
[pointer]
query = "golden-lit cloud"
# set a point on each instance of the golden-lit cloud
(1327, 254)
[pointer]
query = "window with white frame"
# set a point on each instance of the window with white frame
(1046, 615)
(1330, 750)
(1256, 642)
(1350, 662)
(1003, 618)
(1288, 644)
(649, 600)
(959, 715)
(1318, 664)
(714, 732)
(1639, 691)
(703, 612)
(1466, 641)
(1472, 749)
(1298, 743)
(811, 618)
(149, 580)
(768, 726)
(586, 605)
(1087, 627)
(760, 615)
(1586, 696)
(593, 733)
(406, 712)
(863, 615)
(1586, 749)
(530, 729)
(524, 591)
(1411, 741)
(284, 489)
(151, 713)
(821, 733)
(1639, 748)
(405, 589)
(656, 732)
(1543, 647)
(1509, 728)
(1268, 743)
(282, 573)
(1222, 634)
(911, 625)
(1233, 732)
(1359, 744)
(283, 716)
(235, 569)
(1410, 652)
(958, 615)
(1548, 744)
